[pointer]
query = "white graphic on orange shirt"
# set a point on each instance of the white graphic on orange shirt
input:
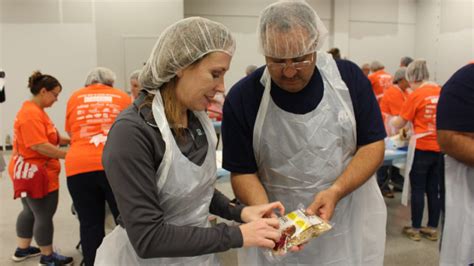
(98, 139)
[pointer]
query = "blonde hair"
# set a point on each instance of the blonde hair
(172, 112)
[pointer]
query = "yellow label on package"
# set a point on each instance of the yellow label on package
(298, 228)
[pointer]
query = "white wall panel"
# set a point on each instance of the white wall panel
(445, 36)
(374, 10)
(65, 51)
(386, 43)
(116, 19)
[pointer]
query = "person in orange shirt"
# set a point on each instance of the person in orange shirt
(427, 169)
(391, 106)
(35, 164)
(379, 79)
(366, 69)
(90, 113)
(394, 98)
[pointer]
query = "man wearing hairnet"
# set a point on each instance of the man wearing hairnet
(306, 129)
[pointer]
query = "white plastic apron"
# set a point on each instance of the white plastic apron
(185, 191)
(458, 235)
(406, 192)
(300, 155)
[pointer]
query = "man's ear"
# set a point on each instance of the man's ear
(179, 74)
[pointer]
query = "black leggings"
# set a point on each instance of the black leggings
(89, 191)
(36, 218)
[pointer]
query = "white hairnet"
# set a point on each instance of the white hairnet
(101, 75)
(182, 44)
(135, 74)
(417, 71)
(289, 29)
(399, 74)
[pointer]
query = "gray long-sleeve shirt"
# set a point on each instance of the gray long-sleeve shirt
(132, 155)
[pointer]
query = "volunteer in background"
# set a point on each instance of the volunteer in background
(379, 79)
(390, 106)
(89, 115)
(426, 169)
(34, 166)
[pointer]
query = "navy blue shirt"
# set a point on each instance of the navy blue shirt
(455, 109)
(242, 103)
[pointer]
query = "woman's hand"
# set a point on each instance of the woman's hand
(253, 213)
(261, 233)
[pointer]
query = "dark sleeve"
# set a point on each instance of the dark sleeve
(237, 131)
(370, 127)
(129, 159)
(455, 109)
(222, 206)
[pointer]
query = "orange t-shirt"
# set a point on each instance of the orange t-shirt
(420, 109)
(380, 81)
(33, 126)
(90, 113)
(393, 99)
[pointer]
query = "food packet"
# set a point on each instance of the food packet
(296, 228)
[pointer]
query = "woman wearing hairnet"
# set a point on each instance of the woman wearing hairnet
(424, 161)
(160, 159)
(90, 114)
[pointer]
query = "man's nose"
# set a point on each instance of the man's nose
(289, 71)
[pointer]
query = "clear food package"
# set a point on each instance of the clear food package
(297, 228)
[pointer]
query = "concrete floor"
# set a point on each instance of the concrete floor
(399, 249)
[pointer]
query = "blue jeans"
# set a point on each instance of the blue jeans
(425, 177)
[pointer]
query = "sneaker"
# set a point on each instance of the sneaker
(411, 233)
(22, 254)
(55, 260)
(429, 233)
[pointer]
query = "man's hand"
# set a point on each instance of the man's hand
(324, 203)
(253, 213)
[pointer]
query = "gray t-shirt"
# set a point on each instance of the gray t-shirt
(132, 155)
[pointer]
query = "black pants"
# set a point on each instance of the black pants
(385, 174)
(89, 191)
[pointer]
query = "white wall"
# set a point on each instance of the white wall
(382, 30)
(42, 47)
(445, 35)
(66, 38)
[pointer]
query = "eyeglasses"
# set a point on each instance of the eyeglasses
(296, 65)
